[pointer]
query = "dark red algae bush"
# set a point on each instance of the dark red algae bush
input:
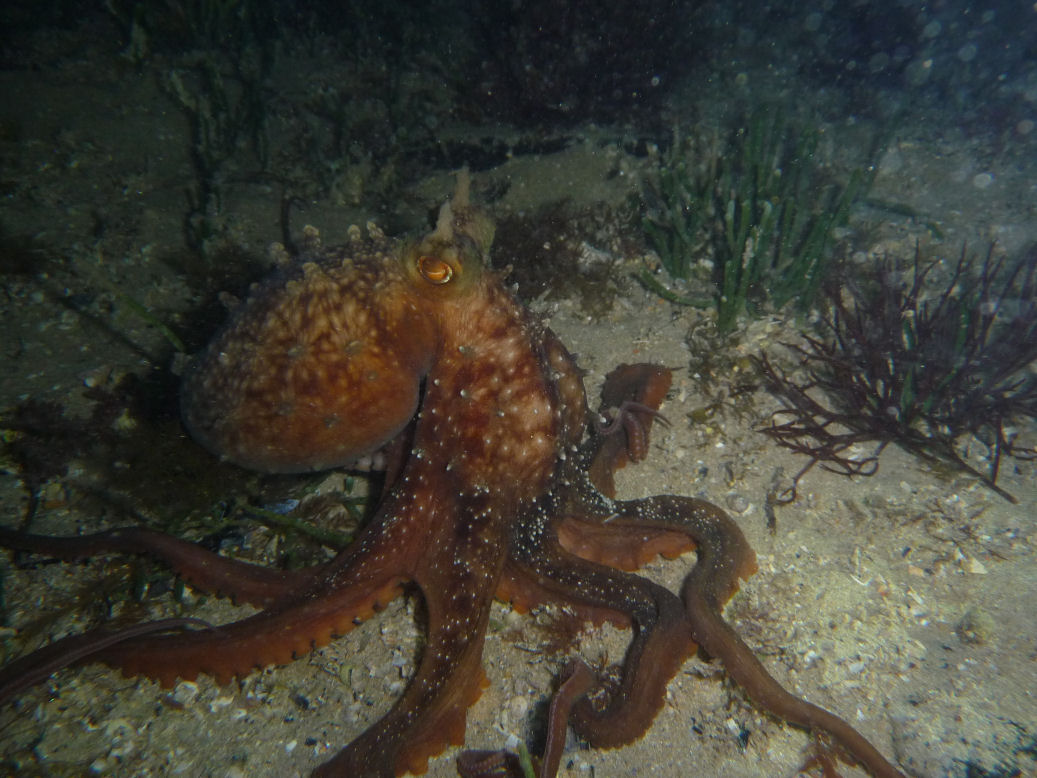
(931, 367)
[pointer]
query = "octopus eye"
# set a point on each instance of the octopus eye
(435, 270)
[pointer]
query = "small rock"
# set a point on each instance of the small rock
(976, 567)
(975, 627)
(736, 503)
(185, 692)
(982, 180)
(518, 707)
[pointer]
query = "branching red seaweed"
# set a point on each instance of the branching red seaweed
(925, 370)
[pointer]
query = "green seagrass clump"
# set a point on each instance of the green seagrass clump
(756, 212)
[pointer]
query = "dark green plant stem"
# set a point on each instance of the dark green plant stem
(325, 537)
(148, 316)
(650, 282)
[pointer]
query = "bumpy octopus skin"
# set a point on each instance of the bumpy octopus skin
(418, 346)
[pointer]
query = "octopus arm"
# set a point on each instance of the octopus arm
(204, 570)
(617, 715)
(672, 525)
(274, 636)
(620, 546)
(575, 680)
(724, 557)
(630, 400)
(34, 668)
(524, 589)
(457, 577)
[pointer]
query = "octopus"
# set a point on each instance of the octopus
(498, 486)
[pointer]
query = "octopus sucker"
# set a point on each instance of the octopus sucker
(499, 485)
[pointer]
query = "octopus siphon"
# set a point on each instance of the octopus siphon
(498, 486)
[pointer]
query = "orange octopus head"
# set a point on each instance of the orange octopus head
(324, 364)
